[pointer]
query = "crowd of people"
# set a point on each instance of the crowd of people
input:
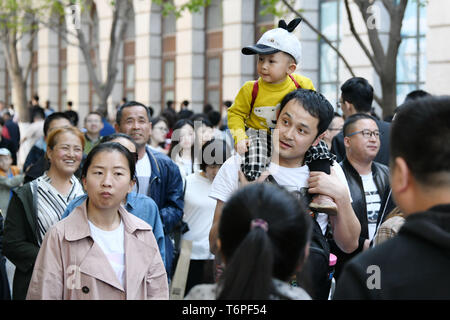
(283, 197)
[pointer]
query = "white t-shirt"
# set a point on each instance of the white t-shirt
(373, 202)
(112, 244)
(143, 173)
(198, 214)
(293, 179)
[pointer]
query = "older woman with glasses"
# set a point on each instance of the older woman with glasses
(39, 204)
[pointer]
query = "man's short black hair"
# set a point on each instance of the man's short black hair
(358, 92)
(54, 116)
(93, 112)
(207, 108)
(348, 124)
(131, 104)
(420, 135)
(38, 113)
(73, 117)
(415, 94)
(214, 117)
(315, 103)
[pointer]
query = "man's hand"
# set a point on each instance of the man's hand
(327, 184)
(346, 226)
(242, 146)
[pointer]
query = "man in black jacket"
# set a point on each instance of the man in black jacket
(368, 180)
(415, 263)
(357, 97)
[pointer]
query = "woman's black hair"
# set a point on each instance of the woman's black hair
(255, 256)
(155, 121)
(117, 135)
(110, 147)
(214, 152)
(176, 139)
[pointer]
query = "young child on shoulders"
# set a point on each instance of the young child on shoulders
(252, 117)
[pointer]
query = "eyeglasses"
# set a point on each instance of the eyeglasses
(334, 129)
(163, 129)
(366, 133)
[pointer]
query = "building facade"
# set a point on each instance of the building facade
(198, 58)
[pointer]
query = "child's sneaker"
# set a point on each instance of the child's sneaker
(323, 203)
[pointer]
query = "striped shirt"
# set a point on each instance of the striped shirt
(50, 203)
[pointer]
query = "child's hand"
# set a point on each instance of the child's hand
(241, 146)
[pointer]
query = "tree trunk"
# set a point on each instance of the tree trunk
(15, 72)
(121, 14)
(20, 95)
(389, 93)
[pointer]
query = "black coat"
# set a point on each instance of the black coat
(414, 264)
(338, 148)
(4, 283)
(14, 133)
(380, 174)
(20, 239)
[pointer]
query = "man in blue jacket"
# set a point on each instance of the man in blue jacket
(157, 175)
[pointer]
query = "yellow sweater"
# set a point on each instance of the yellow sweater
(266, 104)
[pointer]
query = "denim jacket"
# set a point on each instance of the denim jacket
(166, 188)
(142, 207)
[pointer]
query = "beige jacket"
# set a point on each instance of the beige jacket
(70, 265)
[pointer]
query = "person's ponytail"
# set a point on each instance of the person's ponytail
(248, 275)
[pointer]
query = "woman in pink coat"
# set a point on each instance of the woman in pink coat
(101, 251)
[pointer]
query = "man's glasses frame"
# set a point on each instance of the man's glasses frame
(366, 133)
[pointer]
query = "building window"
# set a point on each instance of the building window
(94, 44)
(168, 59)
(129, 78)
(214, 48)
(330, 25)
(128, 70)
(411, 58)
(62, 70)
(263, 23)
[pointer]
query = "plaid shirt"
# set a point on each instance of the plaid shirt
(257, 158)
(320, 151)
(388, 229)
